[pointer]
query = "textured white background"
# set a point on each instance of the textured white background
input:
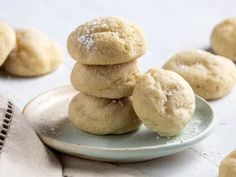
(170, 26)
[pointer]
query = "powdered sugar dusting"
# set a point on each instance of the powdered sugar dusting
(169, 93)
(117, 102)
(194, 127)
(86, 32)
(98, 23)
(87, 41)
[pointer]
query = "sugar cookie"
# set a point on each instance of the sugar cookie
(209, 75)
(228, 166)
(105, 41)
(223, 38)
(35, 54)
(163, 101)
(103, 116)
(107, 81)
(7, 41)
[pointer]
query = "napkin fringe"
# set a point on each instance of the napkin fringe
(5, 127)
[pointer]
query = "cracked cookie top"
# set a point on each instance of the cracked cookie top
(164, 101)
(106, 40)
(210, 76)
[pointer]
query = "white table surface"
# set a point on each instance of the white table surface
(170, 26)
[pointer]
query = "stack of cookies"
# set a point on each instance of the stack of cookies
(106, 50)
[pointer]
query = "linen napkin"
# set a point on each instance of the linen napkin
(21, 151)
(22, 154)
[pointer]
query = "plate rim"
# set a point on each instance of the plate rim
(179, 144)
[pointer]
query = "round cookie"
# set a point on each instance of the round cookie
(223, 38)
(106, 41)
(107, 81)
(7, 41)
(210, 76)
(228, 166)
(103, 116)
(35, 54)
(163, 101)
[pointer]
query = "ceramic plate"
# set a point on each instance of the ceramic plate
(47, 114)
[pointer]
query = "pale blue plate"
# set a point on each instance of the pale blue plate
(48, 115)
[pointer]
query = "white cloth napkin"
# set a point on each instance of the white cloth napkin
(22, 154)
